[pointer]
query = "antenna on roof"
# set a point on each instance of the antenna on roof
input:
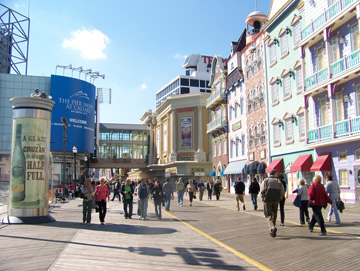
(256, 5)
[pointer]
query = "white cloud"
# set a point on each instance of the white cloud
(143, 86)
(90, 43)
(178, 56)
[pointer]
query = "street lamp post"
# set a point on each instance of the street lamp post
(65, 124)
(74, 149)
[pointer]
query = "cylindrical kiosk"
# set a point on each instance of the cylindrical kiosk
(29, 173)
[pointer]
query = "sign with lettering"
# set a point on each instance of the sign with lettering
(74, 100)
(28, 160)
(236, 125)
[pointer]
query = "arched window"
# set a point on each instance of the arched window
(250, 138)
(255, 99)
(259, 61)
(262, 133)
(256, 136)
(253, 64)
(261, 96)
(247, 69)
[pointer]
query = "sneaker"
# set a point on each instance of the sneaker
(322, 233)
(244, 208)
(337, 222)
(273, 232)
(308, 220)
(282, 224)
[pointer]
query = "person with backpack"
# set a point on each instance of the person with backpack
(271, 191)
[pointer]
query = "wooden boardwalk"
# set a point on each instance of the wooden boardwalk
(210, 235)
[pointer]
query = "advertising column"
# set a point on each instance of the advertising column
(29, 174)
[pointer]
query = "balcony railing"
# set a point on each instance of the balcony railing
(215, 97)
(342, 129)
(325, 17)
(353, 59)
(345, 63)
(317, 78)
(320, 133)
(216, 124)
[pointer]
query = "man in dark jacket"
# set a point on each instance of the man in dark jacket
(271, 191)
(127, 191)
(254, 190)
(116, 190)
(239, 193)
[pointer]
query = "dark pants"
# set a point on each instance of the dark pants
(102, 210)
(270, 211)
(317, 217)
(128, 207)
(87, 206)
(304, 211)
(217, 194)
(282, 212)
(157, 205)
(209, 194)
(116, 193)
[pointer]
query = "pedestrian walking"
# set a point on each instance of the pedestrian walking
(333, 189)
(303, 193)
(127, 191)
(143, 193)
(239, 193)
(319, 198)
(209, 188)
(180, 189)
(190, 189)
(271, 191)
(201, 189)
(254, 190)
(217, 189)
(158, 196)
(88, 192)
(101, 194)
(168, 192)
(116, 190)
(280, 176)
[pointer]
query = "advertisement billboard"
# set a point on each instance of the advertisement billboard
(186, 133)
(74, 100)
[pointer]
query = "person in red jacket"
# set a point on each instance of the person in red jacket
(100, 195)
(319, 198)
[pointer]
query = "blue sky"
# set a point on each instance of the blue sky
(140, 45)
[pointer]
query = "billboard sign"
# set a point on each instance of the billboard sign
(186, 133)
(74, 100)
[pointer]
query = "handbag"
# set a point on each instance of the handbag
(297, 201)
(340, 205)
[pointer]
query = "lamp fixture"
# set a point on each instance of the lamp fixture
(276, 41)
(312, 2)
(291, 73)
(280, 123)
(288, 30)
(328, 105)
(278, 81)
(343, 40)
(294, 120)
(347, 98)
(350, 171)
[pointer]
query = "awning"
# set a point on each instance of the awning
(276, 164)
(252, 168)
(212, 173)
(222, 172)
(322, 163)
(261, 168)
(235, 167)
(302, 163)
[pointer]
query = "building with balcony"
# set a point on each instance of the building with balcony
(255, 96)
(218, 125)
(235, 92)
(330, 44)
(285, 105)
(195, 80)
